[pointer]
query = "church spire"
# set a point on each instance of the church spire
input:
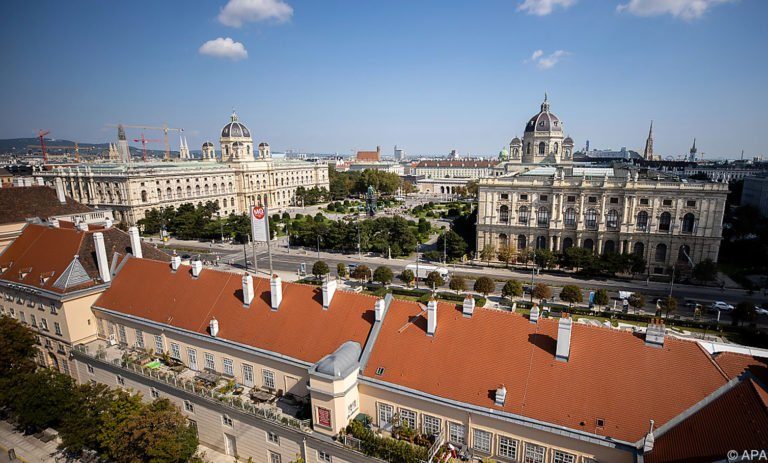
(648, 153)
(545, 104)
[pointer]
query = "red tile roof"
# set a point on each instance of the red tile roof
(300, 328)
(737, 420)
(20, 203)
(468, 164)
(48, 251)
(735, 364)
(610, 375)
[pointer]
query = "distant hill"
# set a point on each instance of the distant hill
(19, 146)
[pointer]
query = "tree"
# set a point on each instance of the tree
(744, 311)
(524, 255)
(506, 254)
(577, 258)
(17, 348)
(39, 399)
(545, 258)
(434, 279)
(77, 430)
(485, 285)
(601, 298)
(407, 277)
(122, 408)
(458, 283)
(541, 291)
(320, 269)
(705, 271)
(571, 294)
(512, 288)
(341, 270)
(668, 304)
(637, 301)
(454, 245)
(361, 272)
(488, 253)
(383, 275)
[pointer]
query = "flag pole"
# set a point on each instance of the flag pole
(269, 235)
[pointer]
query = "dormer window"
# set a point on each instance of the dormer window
(24, 272)
(600, 422)
(379, 371)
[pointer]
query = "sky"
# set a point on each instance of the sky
(429, 75)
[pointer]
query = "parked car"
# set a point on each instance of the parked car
(760, 310)
(722, 306)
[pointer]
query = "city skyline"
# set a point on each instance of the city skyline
(424, 77)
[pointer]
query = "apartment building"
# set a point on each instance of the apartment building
(274, 370)
(51, 275)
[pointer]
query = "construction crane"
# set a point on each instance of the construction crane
(45, 147)
(164, 128)
(144, 142)
(41, 135)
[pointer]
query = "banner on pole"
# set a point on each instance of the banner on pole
(258, 223)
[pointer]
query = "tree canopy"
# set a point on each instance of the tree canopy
(542, 291)
(512, 288)
(571, 294)
(454, 245)
(407, 277)
(320, 269)
(485, 285)
(458, 283)
(383, 275)
(434, 279)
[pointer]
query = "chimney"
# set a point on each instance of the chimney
(101, 257)
(276, 291)
(197, 267)
(60, 190)
(378, 309)
(55, 222)
(431, 317)
(649, 440)
(82, 226)
(133, 233)
(329, 288)
(501, 396)
(564, 327)
(175, 261)
(247, 289)
(108, 223)
(534, 314)
(654, 333)
(213, 326)
(469, 306)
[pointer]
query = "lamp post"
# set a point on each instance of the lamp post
(318, 247)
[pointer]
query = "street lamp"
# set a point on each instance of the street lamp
(318, 247)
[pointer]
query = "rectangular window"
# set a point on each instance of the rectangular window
(227, 421)
(229, 370)
(351, 408)
(385, 415)
(571, 199)
(323, 457)
(504, 196)
(507, 448)
(592, 199)
(60, 348)
(667, 202)
(23, 318)
(269, 378)
(644, 201)
(431, 425)
(54, 310)
(139, 339)
(89, 368)
(543, 198)
(159, 347)
(614, 200)
(481, 440)
(153, 392)
(32, 319)
(65, 367)
(57, 328)
(523, 197)
(273, 438)
(175, 351)
(274, 457)
(189, 406)
(192, 358)
(562, 457)
(43, 324)
(121, 334)
(193, 425)
(248, 375)
(408, 417)
(457, 433)
(534, 453)
(210, 364)
(690, 203)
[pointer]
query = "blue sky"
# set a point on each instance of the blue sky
(430, 76)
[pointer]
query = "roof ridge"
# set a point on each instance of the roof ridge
(712, 359)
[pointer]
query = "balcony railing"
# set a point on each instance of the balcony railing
(174, 380)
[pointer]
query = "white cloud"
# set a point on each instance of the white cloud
(224, 48)
(543, 7)
(238, 12)
(547, 62)
(685, 9)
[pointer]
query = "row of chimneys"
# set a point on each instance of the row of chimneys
(101, 251)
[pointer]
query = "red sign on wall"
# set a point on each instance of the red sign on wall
(324, 417)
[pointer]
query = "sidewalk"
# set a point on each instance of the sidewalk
(29, 449)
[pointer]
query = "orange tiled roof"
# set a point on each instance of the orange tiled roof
(738, 420)
(46, 252)
(610, 375)
(735, 364)
(300, 328)
(20, 203)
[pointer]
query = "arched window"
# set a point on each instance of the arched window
(168, 193)
(684, 253)
(542, 147)
(206, 188)
(189, 190)
(639, 249)
(515, 153)
(612, 219)
(589, 244)
(503, 240)
(569, 217)
(528, 148)
(567, 243)
(665, 220)
(178, 192)
(554, 148)
(661, 252)
(215, 188)
(642, 220)
(688, 222)
(590, 218)
(504, 214)
(143, 196)
(224, 201)
(523, 214)
(521, 242)
(609, 247)
(542, 217)
(541, 242)
(197, 190)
